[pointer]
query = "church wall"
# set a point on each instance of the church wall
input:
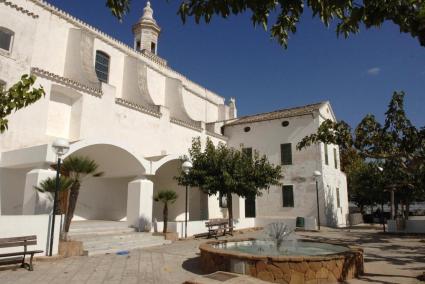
(156, 86)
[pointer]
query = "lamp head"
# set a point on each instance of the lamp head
(60, 146)
(186, 166)
(317, 174)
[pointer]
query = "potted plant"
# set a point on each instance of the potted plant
(166, 197)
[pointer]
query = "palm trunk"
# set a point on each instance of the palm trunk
(230, 210)
(165, 213)
(73, 197)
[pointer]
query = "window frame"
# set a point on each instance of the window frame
(105, 55)
(12, 38)
(292, 203)
(289, 161)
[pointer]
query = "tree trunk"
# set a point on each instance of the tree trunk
(230, 210)
(73, 197)
(407, 209)
(165, 213)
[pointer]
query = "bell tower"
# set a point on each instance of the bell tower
(146, 31)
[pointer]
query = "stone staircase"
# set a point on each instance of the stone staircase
(101, 237)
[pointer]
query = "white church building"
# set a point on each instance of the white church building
(125, 108)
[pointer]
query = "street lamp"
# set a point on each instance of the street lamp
(60, 147)
(186, 167)
(316, 175)
(381, 169)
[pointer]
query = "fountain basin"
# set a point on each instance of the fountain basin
(306, 262)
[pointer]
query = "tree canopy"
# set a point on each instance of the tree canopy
(281, 17)
(225, 171)
(18, 96)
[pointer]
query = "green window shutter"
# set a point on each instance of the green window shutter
(247, 152)
(335, 159)
(338, 201)
(288, 195)
(326, 155)
(286, 153)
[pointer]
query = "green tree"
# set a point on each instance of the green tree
(76, 168)
(348, 15)
(18, 96)
(49, 185)
(225, 171)
(166, 197)
(397, 144)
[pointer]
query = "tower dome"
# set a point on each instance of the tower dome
(146, 31)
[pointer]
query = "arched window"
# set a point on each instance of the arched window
(6, 39)
(102, 66)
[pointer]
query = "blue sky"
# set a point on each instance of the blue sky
(357, 75)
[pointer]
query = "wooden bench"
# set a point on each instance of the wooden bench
(19, 256)
(217, 226)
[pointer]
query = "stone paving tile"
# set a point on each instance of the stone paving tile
(388, 259)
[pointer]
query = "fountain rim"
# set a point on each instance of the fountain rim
(208, 247)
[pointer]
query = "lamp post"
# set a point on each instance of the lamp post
(381, 169)
(187, 165)
(316, 175)
(60, 147)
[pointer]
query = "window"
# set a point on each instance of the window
(247, 152)
(288, 195)
(286, 154)
(222, 200)
(138, 45)
(102, 66)
(6, 39)
(285, 123)
(2, 86)
(338, 201)
(326, 155)
(335, 159)
(153, 47)
(247, 129)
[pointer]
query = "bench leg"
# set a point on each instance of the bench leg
(30, 265)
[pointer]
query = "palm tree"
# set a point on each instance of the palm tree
(76, 168)
(49, 185)
(166, 196)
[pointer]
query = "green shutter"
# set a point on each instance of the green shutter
(335, 159)
(326, 155)
(286, 153)
(247, 152)
(338, 201)
(288, 195)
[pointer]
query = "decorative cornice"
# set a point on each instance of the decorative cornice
(19, 9)
(118, 44)
(66, 81)
(151, 111)
(216, 135)
(195, 125)
(155, 58)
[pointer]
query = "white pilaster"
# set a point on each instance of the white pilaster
(238, 207)
(140, 202)
(33, 178)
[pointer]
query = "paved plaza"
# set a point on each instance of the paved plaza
(388, 259)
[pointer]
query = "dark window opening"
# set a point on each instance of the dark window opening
(250, 211)
(288, 195)
(6, 37)
(138, 45)
(285, 123)
(153, 47)
(247, 129)
(102, 66)
(286, 154)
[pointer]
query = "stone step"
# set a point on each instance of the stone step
(100, 233)
(112, 250)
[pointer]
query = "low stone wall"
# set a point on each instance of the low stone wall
(284, 269)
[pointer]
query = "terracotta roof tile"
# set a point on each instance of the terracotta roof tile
(282, 113)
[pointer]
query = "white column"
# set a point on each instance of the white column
(34, 178)
(140, 203)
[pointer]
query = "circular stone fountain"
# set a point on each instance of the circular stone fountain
(282, 260)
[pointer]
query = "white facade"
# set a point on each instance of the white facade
(265, 133)
(135, 122)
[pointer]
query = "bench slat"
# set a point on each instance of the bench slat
(20, 253)
(23, 238)
(18, 244)
(12, 260)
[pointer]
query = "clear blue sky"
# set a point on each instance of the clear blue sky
(357, 75)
